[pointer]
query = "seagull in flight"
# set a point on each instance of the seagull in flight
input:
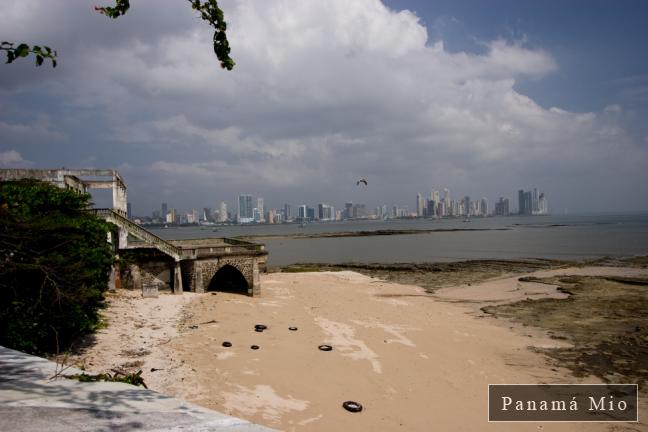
(362, 180)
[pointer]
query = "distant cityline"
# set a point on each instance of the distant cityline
(529, 203)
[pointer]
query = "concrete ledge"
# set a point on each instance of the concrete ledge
(31, 401)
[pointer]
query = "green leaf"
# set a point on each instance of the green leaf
(22, 50)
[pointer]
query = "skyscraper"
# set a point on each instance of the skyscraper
(207, 214)
(502, 207)
(222, 212)
(348, 210)
(245, 212)
(288, 216)
(466, 206)
(532, 202)
(164, 210)
(483, 210)
(543, 205)
(420, 205)
(446, 202)
(260, 209)
(301, 213)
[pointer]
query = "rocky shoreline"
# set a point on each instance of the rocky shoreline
(383, 232)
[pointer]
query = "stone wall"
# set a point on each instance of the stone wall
(196, 274)
(158, 272)
(204, 270)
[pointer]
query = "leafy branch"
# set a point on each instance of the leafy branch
(23, 50)
(121, 7)
(209, 11)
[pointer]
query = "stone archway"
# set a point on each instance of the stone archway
(229, 279)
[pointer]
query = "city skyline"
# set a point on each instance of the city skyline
(404, 93)
(437, 204)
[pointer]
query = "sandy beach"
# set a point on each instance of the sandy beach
(415, 361)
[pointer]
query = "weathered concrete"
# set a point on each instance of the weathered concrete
(72, 179)
(31, 401)
(185, 265)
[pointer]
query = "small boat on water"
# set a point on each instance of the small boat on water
(466, 220)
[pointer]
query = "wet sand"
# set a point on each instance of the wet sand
(416, 362)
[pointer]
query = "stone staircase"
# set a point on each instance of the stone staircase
(138, 232)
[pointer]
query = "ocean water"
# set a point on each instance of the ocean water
(569, 237)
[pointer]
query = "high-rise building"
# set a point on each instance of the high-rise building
(359, 211)
(543, 205)
(172, 216)
(502, 207)
(466, 206)
(431, 209)
(288, 216)
(483, 207)
(245, 210)
(420, 205)
(532, 202)
(301, 213)
(164, 210)
(446, 201)
(260, 210)
(310, 213)
(348, 210)
(222, 212)
(192, 217)
(207, 214)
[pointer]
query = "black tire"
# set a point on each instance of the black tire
(227, 344)
(254, 347)
(325, 347)
(352, 406)
(292, 328)
(260, 326)
(258, 330)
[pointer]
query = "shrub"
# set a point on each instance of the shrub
(54, 266)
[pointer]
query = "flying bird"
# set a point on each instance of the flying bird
(362, 180)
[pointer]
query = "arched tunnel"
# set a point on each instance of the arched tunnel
(229, 279)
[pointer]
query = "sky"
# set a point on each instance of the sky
(480, 97)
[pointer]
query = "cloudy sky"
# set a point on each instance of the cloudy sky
(479, 97)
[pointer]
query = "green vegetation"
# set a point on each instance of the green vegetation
(134, 378)
(209, 11)
(54, 266)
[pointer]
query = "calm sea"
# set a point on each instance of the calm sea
(557, 237)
